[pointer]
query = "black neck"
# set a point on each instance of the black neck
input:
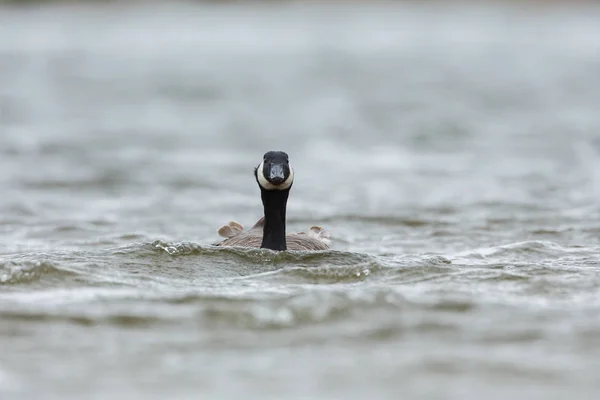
(274, 203)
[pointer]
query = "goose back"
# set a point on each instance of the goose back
(316, 238)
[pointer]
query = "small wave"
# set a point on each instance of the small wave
(519, 251)
(384, 305)
(304, 309)
(249, 255)
(14, 272)
(188, 248)
(122, 320)
(188, 261)
(328, 274)
(413, 269)
(371, 312)
(251, 311)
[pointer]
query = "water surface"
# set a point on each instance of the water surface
(453, 153)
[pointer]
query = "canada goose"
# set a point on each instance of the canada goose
(275, 177)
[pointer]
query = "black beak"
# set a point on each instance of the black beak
(277, 174)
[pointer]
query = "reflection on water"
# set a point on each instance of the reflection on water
(452, 151)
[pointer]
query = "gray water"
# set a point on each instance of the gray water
(453, 152)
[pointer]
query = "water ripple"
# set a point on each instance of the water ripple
(20, 272)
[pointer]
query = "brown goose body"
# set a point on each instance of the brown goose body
(317, 238)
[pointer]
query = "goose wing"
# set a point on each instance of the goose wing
(317, 238)
(235, 235)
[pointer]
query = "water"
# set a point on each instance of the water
(452, 151)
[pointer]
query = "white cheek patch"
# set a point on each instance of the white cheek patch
(262, 181)
(265, 184)
(288, 182)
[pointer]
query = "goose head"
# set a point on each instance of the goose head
(274, 172)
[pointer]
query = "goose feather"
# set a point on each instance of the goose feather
(316, 238)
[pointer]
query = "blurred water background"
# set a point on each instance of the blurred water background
(452, 150)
